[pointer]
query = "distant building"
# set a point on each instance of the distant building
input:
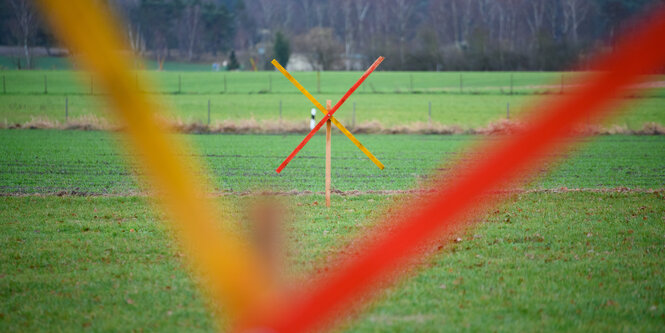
(298, 62)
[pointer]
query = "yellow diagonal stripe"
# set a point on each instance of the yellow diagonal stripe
(236, 277)
(323, 109)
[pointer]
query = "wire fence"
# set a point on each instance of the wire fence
(73, 82)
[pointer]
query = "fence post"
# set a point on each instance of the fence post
(429, 111)
(66, 108)
(179, 84)
(45, 85)
(208, 111)
(508, 110)
(461, 84)
(561, 83)
(511, 83)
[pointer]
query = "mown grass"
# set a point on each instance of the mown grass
(50, 161)
(544, 261)
(466, 111)
(271, 82)
(207, 82)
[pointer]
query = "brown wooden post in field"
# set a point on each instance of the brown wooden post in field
(461, 84)
(561, 92)
(328, 153)
(318, 81)
(429, 113)
(511, 83)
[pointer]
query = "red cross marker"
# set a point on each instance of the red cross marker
(329, 115)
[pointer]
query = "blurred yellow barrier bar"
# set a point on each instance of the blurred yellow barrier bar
(323, 110)
(238, 281)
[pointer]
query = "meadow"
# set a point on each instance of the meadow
(541, 262)
(92, 162)
(578, 248)
(388, 98)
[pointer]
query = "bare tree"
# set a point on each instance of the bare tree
(535, 16)
(25, 26)
(321, 47)
(308, 12)
(574, 14)
(461, 19)
(354, 13)
(403, 11)
(190, 29)
(135, 36)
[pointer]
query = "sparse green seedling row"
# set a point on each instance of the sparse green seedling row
(92, 162)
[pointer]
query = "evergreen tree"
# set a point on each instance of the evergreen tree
(282, 49)
(233, 61)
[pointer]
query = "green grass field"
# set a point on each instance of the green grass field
(83, 249)
(388, 109)
(542, 262)
(207, 82)
(52, 161)
(386, 97)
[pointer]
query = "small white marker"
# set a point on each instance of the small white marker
(312, 121)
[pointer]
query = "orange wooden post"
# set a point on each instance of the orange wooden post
(328, 153)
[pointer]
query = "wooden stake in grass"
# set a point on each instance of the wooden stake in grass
(429, 113)
(511, 84)
(461, 84)
(561, 92)
(328, 153)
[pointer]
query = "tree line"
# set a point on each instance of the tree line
(349, 34)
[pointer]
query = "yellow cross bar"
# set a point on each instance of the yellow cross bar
(232, 268)
(323, 110)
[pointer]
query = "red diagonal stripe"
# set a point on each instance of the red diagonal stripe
(640, 53)
(332, 111)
